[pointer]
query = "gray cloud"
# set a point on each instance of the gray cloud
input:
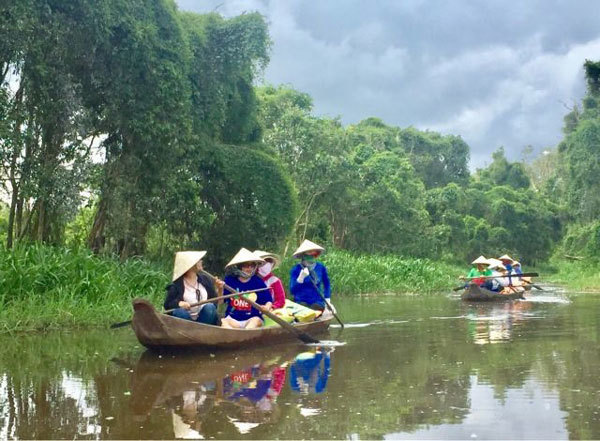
(496, 73)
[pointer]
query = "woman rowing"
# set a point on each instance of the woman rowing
(242, 277)
(309, 281)
(479, 270)
(189, 286)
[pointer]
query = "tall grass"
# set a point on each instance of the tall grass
(43, 287)
(373, 274)
(583, 276)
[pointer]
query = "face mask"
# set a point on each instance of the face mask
(265, 269)
(308, 261)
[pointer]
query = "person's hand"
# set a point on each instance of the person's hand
(220, 284)
(303, 275)
(184, 305)
(267, 307)
(331, 306)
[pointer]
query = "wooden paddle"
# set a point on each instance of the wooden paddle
(506, 275)
(534, 285)
(214, 299)
(458, 288)
(292, 329)
(313, 280)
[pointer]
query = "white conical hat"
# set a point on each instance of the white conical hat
(493, 263)
(265, 255)
(496, 264)
(184, 260)
(307, 245)
(244, 255)
(516, 262)
(480, 260)
(506, 257)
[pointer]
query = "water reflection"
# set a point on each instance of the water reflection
(490, 323)
(428, 369)
(310, 371)
(208, 396)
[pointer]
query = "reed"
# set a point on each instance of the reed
(352, 274)
(43, 287)
(582, 276)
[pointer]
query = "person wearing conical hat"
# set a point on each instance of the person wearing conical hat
(517, 268)
(242, 277)
(190, 286)
(507, 261)
(480, 269)
(309, 281)
(265, 271)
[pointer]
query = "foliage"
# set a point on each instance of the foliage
(352, 274)
(252, 198)
(44, 287)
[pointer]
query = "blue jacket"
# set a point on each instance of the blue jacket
(306, 291)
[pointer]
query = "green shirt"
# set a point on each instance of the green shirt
(476, 273)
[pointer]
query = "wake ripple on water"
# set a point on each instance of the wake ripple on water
(375, 322)
(547, 299)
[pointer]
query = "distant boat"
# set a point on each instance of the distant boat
(475, 293)
(161, 331)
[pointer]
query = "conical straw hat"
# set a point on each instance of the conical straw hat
(184, 260)
(244, 255)
(497, 264)
(265, 255)
(505, 257)
(493, 263)
(306, 246)
(480, 260)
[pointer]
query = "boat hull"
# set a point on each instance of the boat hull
(155, 330)
(475, 293)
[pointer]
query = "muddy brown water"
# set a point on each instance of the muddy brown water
(411, 367)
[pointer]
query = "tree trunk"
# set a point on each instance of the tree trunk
(96, 239)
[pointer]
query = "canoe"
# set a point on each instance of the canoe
(161, 331)
(475, 293)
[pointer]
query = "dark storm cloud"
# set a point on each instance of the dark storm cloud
(497, 73)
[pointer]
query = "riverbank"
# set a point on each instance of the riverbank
(576, 276)
(43, 287)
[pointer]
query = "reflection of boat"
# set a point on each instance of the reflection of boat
(475, 293)
(156, 380)
(155, 331)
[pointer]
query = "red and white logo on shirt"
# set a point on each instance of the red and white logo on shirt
(241, 304)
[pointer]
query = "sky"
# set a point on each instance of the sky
(497, 73)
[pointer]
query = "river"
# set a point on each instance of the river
(410, 367)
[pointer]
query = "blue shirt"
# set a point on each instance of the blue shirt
(237, 307)
(306, 291)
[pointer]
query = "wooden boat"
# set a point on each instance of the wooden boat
(475, 293)
(160, 331)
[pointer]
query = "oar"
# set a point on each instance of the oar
(534, 285)
(214, 299)
(297, 332)
(506, 275)
(313, 280)
(458, 288)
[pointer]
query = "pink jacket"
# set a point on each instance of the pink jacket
(277, 291)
